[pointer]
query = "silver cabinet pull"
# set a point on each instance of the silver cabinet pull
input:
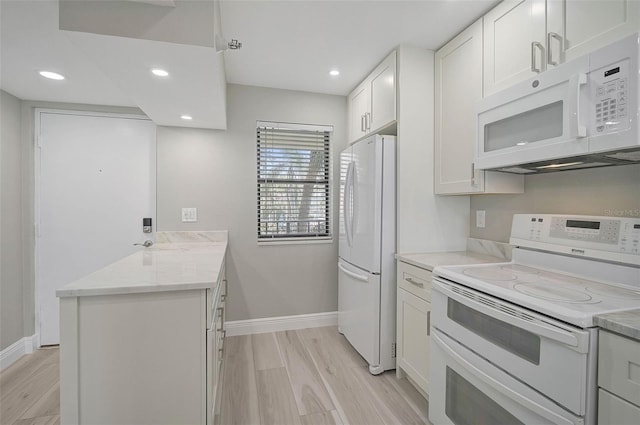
(473, 174)
(534, 45)
(367, 120)
(552, 36)
(363, 125)
(414, 282)
(428, 322)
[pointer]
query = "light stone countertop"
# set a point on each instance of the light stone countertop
(432, 260)
(625, 323)
(479, 251)
(179, 261)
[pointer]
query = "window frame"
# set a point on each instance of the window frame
(287, 239)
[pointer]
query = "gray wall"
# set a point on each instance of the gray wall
(11, 281)
(215, 171)
(612, 191)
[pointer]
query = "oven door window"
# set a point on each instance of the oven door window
(467, 405)
(512, 338)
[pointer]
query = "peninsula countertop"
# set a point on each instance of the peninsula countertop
(178, 261)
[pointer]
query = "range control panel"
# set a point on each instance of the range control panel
(612, 234)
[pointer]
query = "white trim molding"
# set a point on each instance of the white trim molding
(283, 323)
(12, 353)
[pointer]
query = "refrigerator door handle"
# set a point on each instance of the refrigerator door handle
(352, 274)
(347, 203)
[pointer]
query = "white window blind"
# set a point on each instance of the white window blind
(293, 182)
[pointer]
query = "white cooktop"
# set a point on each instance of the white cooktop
(573, 290)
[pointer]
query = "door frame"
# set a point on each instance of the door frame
(37, 191)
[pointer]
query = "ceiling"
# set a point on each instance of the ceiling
(289, 44)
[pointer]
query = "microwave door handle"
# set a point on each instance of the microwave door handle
(539, 328)
(495, 384)
(576, 129)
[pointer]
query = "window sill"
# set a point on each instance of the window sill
(295, 241)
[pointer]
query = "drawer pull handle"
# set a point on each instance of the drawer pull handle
(414, 282)
(428, 323)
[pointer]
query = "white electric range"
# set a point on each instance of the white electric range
(515, 342)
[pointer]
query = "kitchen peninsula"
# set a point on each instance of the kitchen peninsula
(141, 339)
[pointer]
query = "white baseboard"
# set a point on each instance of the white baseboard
(283, 323)
(16, 350)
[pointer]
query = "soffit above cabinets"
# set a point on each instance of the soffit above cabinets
(106, 50)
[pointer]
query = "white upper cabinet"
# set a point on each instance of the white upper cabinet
(383, 94)
(525, 37)
(458, 87)
(372, 105)
(514, 38)
(577, 27)
(359, 105)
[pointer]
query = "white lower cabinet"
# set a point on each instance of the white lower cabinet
(413, 323)
(618, 379)
(142, 358)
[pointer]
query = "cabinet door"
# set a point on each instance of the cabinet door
(458, 76)
(577, 27)
(413, 338)
(458, 87)
(613, 410)
(383, 95)
(359, 102)
(510, 31)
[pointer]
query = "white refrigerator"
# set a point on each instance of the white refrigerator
(366, 264)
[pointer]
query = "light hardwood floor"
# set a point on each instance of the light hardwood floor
(310, 377)
(304, 377)
(30, 390)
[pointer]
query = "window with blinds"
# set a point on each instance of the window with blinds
(293, 181)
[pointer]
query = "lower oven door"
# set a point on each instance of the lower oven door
(473, 391)
(548, 355)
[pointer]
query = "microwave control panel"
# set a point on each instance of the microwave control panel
(610, 94)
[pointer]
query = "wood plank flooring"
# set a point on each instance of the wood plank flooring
(311, 377)
(30, 390)
(303, 377)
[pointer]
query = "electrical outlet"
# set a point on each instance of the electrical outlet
(189, 215)
(480, 215)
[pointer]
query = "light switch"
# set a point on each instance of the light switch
(189, 215)
(480, 214)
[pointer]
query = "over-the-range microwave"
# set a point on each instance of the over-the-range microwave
(582, 114)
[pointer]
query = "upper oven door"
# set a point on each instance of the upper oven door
(549, 356)
(540, 119)
(476, 392)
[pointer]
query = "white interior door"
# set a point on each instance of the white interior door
(95, 182)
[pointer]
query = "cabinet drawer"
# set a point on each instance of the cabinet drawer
(414, 280)
(619, 366)
(613, 410)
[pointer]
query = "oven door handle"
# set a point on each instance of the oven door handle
(535, 326)
(495, 384)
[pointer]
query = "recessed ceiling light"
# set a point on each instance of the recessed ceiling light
(186, 117)
(334, 72)
(52, 75)
(160, 72)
